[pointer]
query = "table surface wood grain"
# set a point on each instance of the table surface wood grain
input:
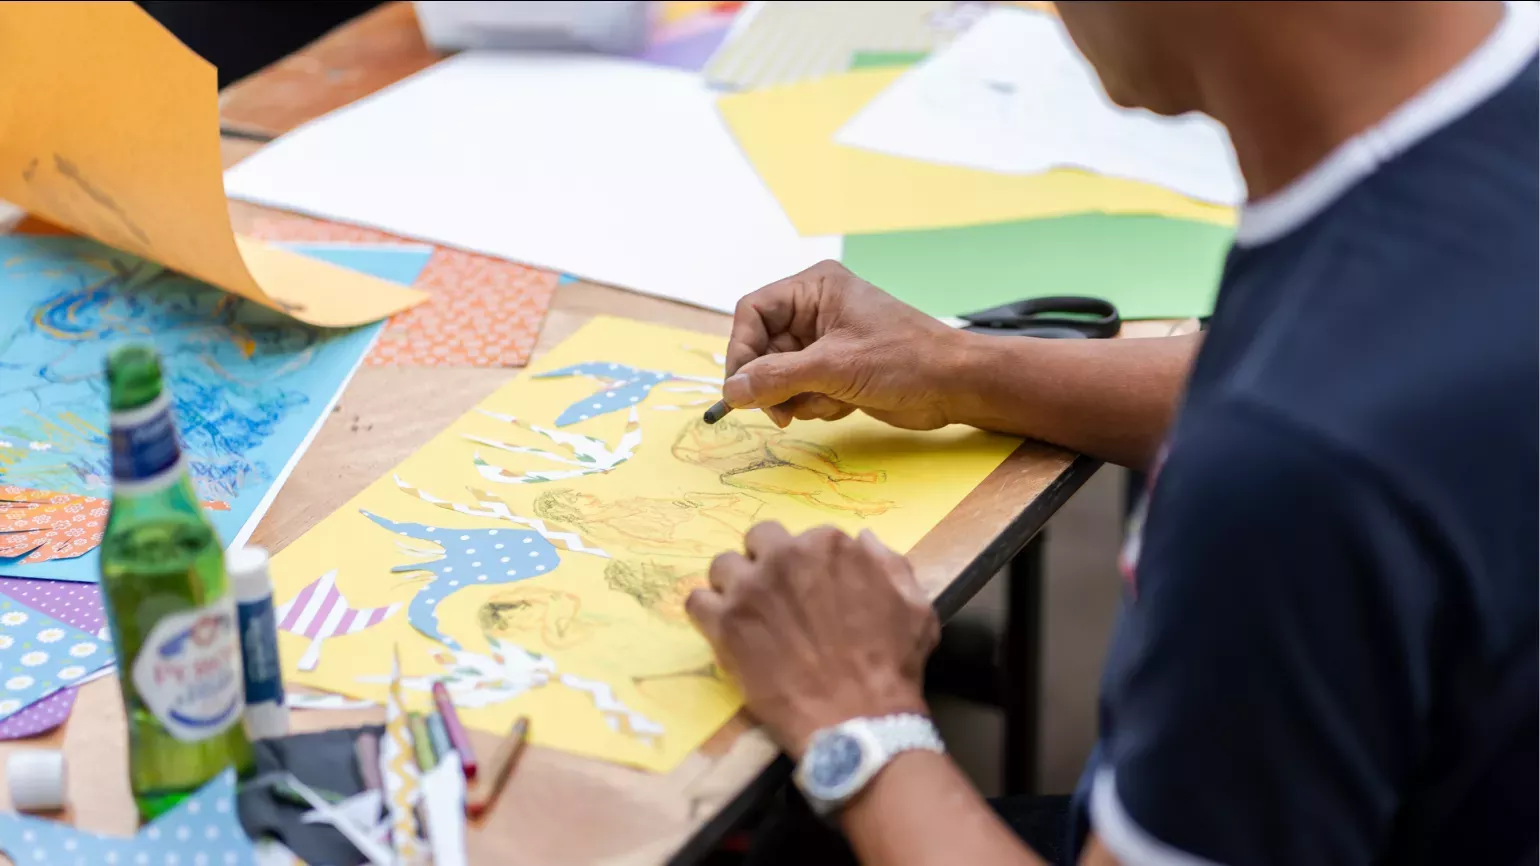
(558, 808)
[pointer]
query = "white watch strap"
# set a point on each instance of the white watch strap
(906, 732)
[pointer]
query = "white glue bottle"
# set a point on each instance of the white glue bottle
(266, 715)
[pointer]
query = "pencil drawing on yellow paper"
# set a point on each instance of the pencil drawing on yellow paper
(542, 546)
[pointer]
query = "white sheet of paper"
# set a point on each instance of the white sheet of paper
(609, 169)
(1013, 95)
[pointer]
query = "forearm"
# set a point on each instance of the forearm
(1111, 399)
(920, 811)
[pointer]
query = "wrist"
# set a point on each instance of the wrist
(968, 376)
(873, 702)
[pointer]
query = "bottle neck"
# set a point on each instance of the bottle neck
(146, 457)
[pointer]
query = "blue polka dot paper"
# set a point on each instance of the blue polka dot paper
(40, 655)
(203, 831)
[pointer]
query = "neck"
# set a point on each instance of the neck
(1287, 108)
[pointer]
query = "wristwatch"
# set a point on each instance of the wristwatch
(841, 759)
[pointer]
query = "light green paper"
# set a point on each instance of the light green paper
(875, 59)
(1149, 267)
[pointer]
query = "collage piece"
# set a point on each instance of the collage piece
(481, 311)
(563, 600)
(39, 655)
(75, 604)
(203, 829)
(250, 387)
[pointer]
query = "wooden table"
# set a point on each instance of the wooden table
(558, 809)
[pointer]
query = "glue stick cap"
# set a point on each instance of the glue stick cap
(35, 778)
(247, 568)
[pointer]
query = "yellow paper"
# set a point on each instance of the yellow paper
(825, 188)
(109, 126)
(579, 621)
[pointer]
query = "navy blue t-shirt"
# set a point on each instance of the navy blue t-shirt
(1327, 653)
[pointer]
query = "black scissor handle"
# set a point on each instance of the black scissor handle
(1085, 316)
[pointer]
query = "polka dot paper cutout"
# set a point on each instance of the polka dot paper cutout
(203, 831)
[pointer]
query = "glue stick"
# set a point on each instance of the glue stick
(266, 715)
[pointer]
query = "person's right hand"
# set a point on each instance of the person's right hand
(825, 343)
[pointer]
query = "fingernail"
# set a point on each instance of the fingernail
(736, 391)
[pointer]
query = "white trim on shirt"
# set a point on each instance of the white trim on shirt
(1120, 834)
(1504, 53)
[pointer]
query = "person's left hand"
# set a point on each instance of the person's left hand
(817, 629)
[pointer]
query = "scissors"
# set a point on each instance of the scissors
(1065, 317)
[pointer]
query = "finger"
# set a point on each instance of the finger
(895, 564)
(726, 568)
(770, 380)
(764, 538)
(763, 318)
(705, 610)
(815, 407)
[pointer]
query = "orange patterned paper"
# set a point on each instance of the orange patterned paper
(482, 311)
(47, 524)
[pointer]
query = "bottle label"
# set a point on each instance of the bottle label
(188, 672)
(259, 651)
(143, 441)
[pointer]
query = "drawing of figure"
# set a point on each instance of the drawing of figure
(462, 558)
(692, 524)
(766, 459)
(659, 587)
(553, 615)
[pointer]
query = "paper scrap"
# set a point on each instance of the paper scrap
(443, 789)
(783, 43)
(481, 311)
(398, 769)
(344, 817)
(249, 389)
(320, 612)
(401, 263)
(1148, 267)
(40, 655)
(518, 608)
(203, 829)
(1015, 96)
(112, 130)
(78, 605)
(787, 132)
(610, 169)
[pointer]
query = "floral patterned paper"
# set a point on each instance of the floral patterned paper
(40, 655)
(77, 604)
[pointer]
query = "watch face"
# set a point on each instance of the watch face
(834, 761)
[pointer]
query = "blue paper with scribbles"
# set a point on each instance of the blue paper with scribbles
(248, 385)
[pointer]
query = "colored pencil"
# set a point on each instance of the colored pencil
(367, 750)
(422, 744)
(481, 798)
(439, 735)
(456, 731)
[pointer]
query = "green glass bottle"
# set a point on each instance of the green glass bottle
(167, 599)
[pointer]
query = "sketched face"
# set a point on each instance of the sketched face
(661, 588)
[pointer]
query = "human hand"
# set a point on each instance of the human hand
(825, 342)
(817, 629)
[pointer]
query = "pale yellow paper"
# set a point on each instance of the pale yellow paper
(825, 188)
(110, 127)
(661, 515)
